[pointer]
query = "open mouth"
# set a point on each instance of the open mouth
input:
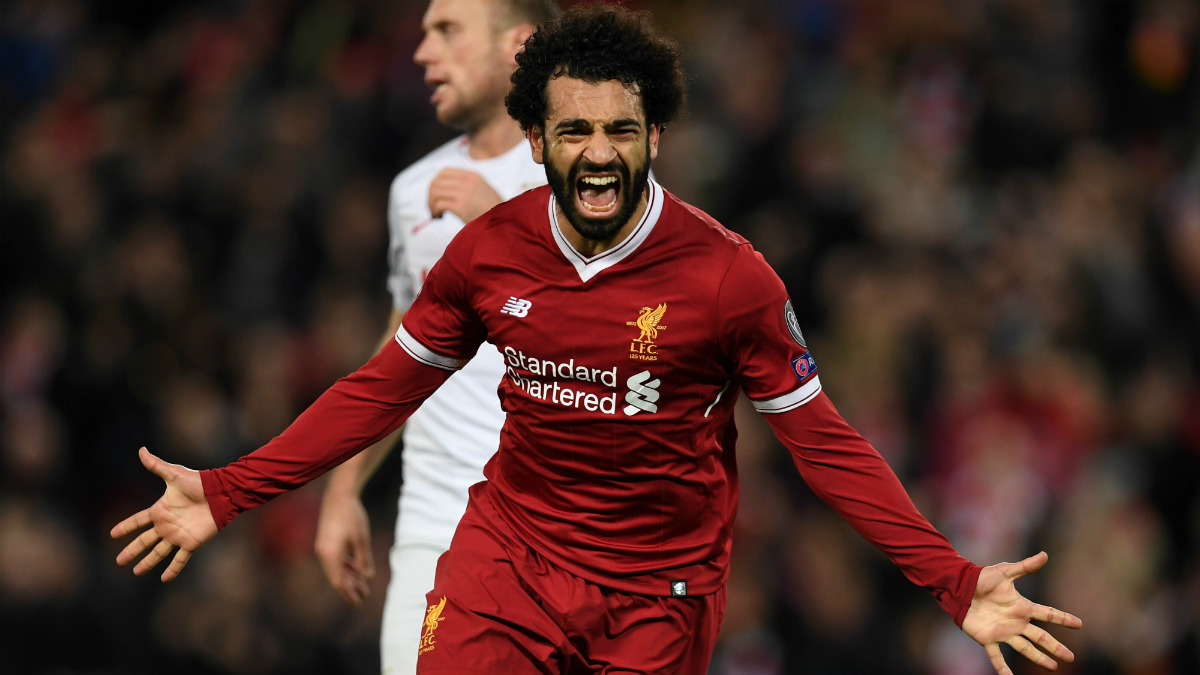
(598, 195)
(439, 88)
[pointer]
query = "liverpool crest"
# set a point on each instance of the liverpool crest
(644, 347)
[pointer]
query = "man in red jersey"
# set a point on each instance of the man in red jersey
(629, 323)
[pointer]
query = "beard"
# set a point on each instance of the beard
(565, 187)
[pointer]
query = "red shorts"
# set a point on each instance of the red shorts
(497, 607)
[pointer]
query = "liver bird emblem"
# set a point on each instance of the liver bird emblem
(433, 616)
(649, 323)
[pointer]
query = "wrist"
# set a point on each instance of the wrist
(343, 485)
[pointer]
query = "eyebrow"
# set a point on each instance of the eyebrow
(621, 124)
(439, 25)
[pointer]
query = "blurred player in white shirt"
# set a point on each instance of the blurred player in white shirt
(468, 54)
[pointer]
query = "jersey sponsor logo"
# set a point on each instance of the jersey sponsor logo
(517, 307)
(433, 616)
(643, 347)
(520, 367)
(804, 366)
(793, 324)
(642, 395)
(550, 381)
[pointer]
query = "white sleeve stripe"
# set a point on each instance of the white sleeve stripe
(425, 355)
(790, 401)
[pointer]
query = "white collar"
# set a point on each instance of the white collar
(590, 267)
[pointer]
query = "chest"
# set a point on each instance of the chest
(623, 321)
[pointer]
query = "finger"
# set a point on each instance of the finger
(1055, 616)
(361, 560)
(443, 185)
(997, 659)
(1048, 643)
(131, 524)
(155, 556)
(354, 592)
(348, 594)
(437, 205)
(154, 464)
(451, 175)
(1027, 566)
(177, 563)
(368, 565)
(1025, 648)
(363, 586)
(330, 568)
(346, 587)
(135, 548)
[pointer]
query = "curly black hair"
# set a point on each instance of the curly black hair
(598, 43)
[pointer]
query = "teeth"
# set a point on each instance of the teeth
(599, 180)
(606, 207)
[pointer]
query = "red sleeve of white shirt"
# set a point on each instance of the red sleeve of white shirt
(354, 413)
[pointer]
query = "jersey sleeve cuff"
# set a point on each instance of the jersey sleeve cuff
(220, 505)
(957, 601)
(790, 401)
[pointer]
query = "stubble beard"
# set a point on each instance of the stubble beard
(479, 102)
(564, 187)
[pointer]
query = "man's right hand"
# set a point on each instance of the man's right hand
(464, 193)
(343, 545)
(180, 518)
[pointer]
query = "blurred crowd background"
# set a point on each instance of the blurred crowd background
(987, 213)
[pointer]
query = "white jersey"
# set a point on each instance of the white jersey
(453, 434)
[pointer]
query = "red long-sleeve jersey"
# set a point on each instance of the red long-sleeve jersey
(617, 459)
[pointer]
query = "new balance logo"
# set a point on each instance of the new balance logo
(516, 307)
(642, 395)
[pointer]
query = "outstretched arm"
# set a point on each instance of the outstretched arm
(358, 410)
(845, 471)
(180, 518)
(1000, 614)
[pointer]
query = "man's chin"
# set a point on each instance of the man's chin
(453, 117)
(593, 228)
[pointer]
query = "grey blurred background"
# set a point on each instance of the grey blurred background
(987, 213)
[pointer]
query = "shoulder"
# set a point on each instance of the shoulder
(699, 228)
(733, 265)
(514, 172)
(532, 203)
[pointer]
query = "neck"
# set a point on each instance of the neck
(591, 247)
(494, 137)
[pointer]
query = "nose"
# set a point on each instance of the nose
(423, 55)
(599, 149)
